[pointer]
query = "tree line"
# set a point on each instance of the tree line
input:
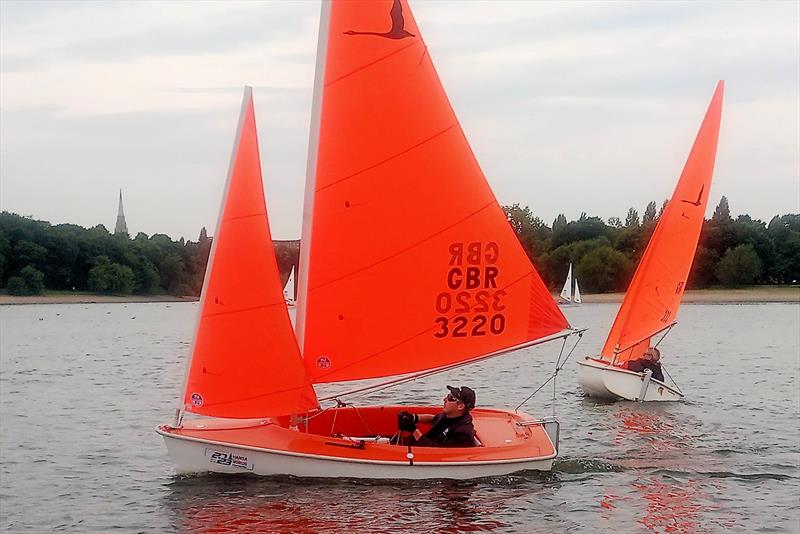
(731, 252)
(35, 255)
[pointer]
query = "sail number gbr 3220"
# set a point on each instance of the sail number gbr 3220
(471, 305)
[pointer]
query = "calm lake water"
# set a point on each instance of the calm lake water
(83, 386)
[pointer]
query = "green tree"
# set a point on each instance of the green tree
(34, 280)
(5, 249)
(604, 269)
(663, 207)
(29, 282)
(173, 273)
(722, 213)
(739, 266)
(109, 277)
(147, 278)
(583, 229)
(784, 232)
(649, 213)
(559, 223)
(29, 253)
(702, 273)
(16, 286)
(531, 231)
(632, 218)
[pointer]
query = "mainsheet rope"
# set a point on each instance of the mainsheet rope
(559, 365)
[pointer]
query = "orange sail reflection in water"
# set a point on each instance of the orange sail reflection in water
(244, 334)
(433, 274)
(654, 295)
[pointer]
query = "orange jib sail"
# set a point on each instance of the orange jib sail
(245, 360)
(411, 263)
(654, 295)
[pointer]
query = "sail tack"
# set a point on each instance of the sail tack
(245, 360)
(412, 264)
(654, 295)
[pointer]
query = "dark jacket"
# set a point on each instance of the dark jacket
(638, 366)
(444, 432)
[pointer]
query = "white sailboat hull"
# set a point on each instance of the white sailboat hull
(600, 380)
(191, 455)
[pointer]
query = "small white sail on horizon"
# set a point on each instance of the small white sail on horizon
(289, 288)
(566, 291)
(568, 294)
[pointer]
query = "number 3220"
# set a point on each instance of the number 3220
(460, 326)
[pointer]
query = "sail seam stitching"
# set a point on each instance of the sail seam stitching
(242, 310)
(394, 156)
(243, 217)
(366, 65)
(414, 336)
(403, 251)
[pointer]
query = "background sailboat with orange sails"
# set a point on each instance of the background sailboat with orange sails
(654, 295)
(443, 282)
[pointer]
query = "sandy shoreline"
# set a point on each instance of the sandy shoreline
(750, 294)
(82, 298)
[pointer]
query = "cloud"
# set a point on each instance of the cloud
(569, 107)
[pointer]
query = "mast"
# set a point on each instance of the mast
(311, 172)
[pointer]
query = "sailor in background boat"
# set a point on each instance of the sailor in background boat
(450, 428)
(650, 360)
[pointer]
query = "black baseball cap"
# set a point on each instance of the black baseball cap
(464, 394)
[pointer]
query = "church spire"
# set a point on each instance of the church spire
(121, 227)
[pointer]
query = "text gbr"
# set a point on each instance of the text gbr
(472, 302)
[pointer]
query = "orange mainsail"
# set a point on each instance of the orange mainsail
(652, 301)
(245, 360)
(410, 262)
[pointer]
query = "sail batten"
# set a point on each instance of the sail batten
(433, 274)
(654, 296)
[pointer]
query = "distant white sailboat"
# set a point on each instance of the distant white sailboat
(289, 291)
(570, 293)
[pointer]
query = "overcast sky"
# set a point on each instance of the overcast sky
(568, 106)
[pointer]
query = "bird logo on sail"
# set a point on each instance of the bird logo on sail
(699, 196)
(397, 31)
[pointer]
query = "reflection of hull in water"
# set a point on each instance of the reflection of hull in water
(511, 442)
(600, 380)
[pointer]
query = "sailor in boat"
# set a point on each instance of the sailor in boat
(450, 428)
(651, 359)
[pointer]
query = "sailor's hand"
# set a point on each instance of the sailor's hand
(407, 421)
